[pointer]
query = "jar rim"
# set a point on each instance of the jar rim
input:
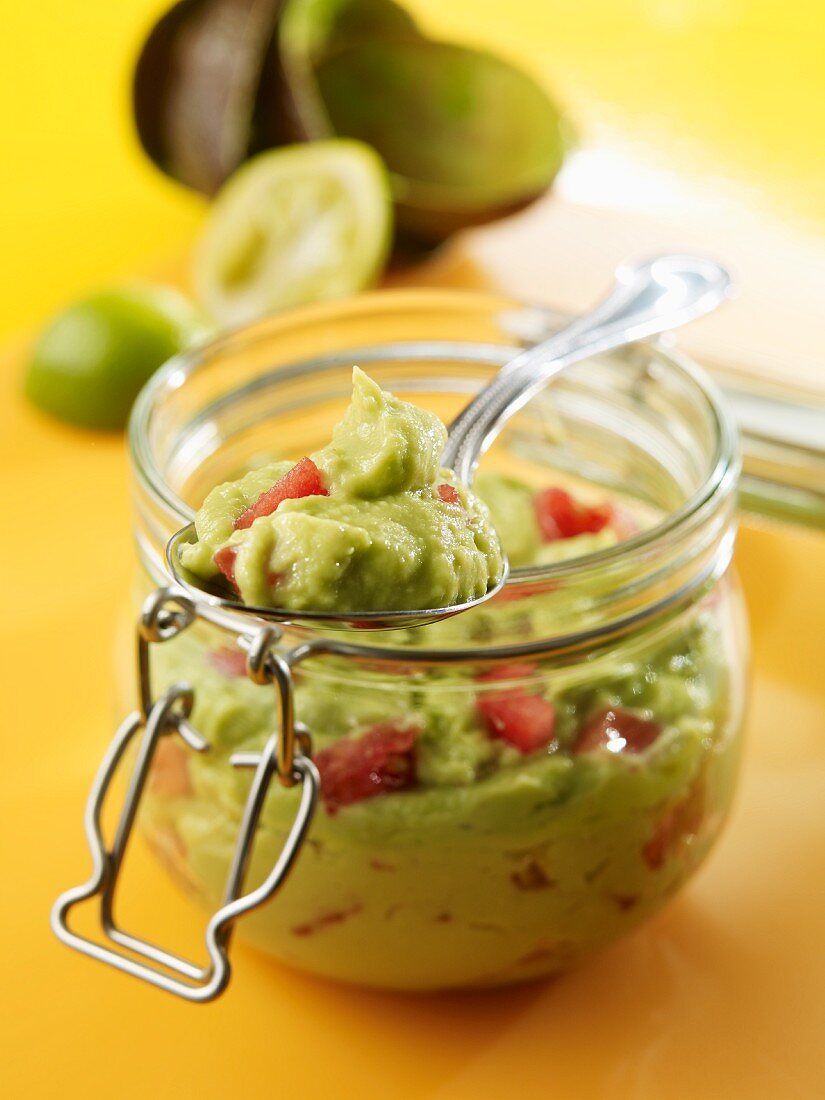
(717, 485)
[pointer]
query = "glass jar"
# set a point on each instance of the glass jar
(490, 863)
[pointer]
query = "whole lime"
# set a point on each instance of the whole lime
(92, 359)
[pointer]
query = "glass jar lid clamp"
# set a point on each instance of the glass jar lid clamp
(286, 755)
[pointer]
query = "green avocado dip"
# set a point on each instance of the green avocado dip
(480, 821)
(368, 523)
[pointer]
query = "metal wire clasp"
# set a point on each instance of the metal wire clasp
(166, 614)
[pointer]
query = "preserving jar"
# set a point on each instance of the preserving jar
(477, 860)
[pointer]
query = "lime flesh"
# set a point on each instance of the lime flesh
(299, 224)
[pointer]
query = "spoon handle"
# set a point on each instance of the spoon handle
(647, 298)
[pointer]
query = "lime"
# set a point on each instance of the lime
(295, 225)
(92, 359)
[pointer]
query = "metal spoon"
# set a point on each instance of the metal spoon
(648, 298)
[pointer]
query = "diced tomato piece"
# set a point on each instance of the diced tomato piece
(225, 561)
(228, 660)
(655, 851)
(523, 591)
(170, 849)
(513, 715)
(303, 480)
(168, 845)
(393, 668)
(715, 596)
(506, 672)
(679, 822)
(623, 523)
(616, 730)
(449, 494)
(326, 920)
(527, 722)
(380, 761)
(559, 516)
(169, 776)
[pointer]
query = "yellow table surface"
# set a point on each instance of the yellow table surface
(722, 995)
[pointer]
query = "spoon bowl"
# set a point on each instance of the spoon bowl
(216, 597)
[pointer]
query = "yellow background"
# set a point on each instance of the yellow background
(721, 995)
(724, 90)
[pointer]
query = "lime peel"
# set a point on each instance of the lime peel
(91, 360)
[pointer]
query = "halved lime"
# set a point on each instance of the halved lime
(91, 360)
(295, 225)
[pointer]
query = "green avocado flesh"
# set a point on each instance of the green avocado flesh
(382, 539)
(497, 864)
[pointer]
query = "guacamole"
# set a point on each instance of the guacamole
(479, 823)
(368, 523)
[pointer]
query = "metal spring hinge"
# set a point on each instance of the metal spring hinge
(286, 755)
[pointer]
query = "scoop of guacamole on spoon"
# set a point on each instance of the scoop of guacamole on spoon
(369, 523)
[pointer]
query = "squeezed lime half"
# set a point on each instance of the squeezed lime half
(91, 360)
(299, 224)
